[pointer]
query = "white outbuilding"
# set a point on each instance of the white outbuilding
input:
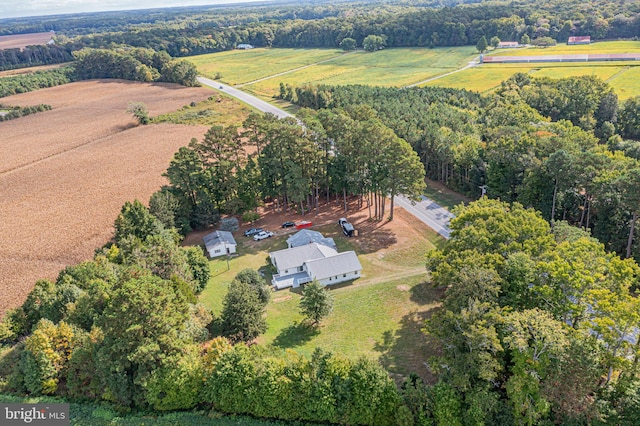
(220, 243)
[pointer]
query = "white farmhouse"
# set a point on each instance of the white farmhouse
(220, 243)
(303, 264)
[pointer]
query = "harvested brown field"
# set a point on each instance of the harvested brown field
(65, 173)
(31, 70)
(20, 41)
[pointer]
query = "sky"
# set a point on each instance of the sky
(18, 8)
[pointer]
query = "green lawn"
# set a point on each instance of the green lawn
(379, 315)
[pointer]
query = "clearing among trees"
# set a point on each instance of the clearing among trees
(66, 173)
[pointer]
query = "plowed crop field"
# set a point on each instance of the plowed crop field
(20, 41)
(65, 173)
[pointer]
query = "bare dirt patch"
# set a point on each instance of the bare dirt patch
(65, 173)
(20, 41)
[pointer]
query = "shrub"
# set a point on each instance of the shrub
(250, 217)
(229, 224)
(46, 356)
(176, 386)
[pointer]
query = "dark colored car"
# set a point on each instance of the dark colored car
(288, 225)
(252, 231)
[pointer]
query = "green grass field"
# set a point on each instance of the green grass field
(623, 76)
(379, 315)
(564, 49)
(242, 66)
(406, 66)
(389, 67)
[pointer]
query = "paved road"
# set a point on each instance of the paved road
(245, 97)
(433, 215)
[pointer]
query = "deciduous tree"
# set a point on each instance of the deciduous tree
(316, 302)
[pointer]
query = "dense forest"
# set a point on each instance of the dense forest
(564, 147)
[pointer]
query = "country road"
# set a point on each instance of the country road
(245, 97)
(433, 215)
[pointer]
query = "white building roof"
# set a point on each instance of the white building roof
(308, 236)
(334, 265)
(218, 237)
(296, 256)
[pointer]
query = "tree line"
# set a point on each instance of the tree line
(32, 56)
(127, 64)
(133, 64)
(409, 27)
(9, 113)
(339, 154)
(563, 146)
(38, 80)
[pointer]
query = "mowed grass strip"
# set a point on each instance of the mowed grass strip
(565, 49)
(243, 66)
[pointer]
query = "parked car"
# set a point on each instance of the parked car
(252, 231)
(303, 224)
(288, 224)
(262, 235)
(347, 228)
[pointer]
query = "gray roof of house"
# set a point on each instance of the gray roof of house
(338, 264)
(218, 237)
(308, 236)
(296, 256)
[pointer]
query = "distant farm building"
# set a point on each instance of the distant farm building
(579, 40)
(220, 243)
(244, 46)
(508, 44)
(593, 57)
